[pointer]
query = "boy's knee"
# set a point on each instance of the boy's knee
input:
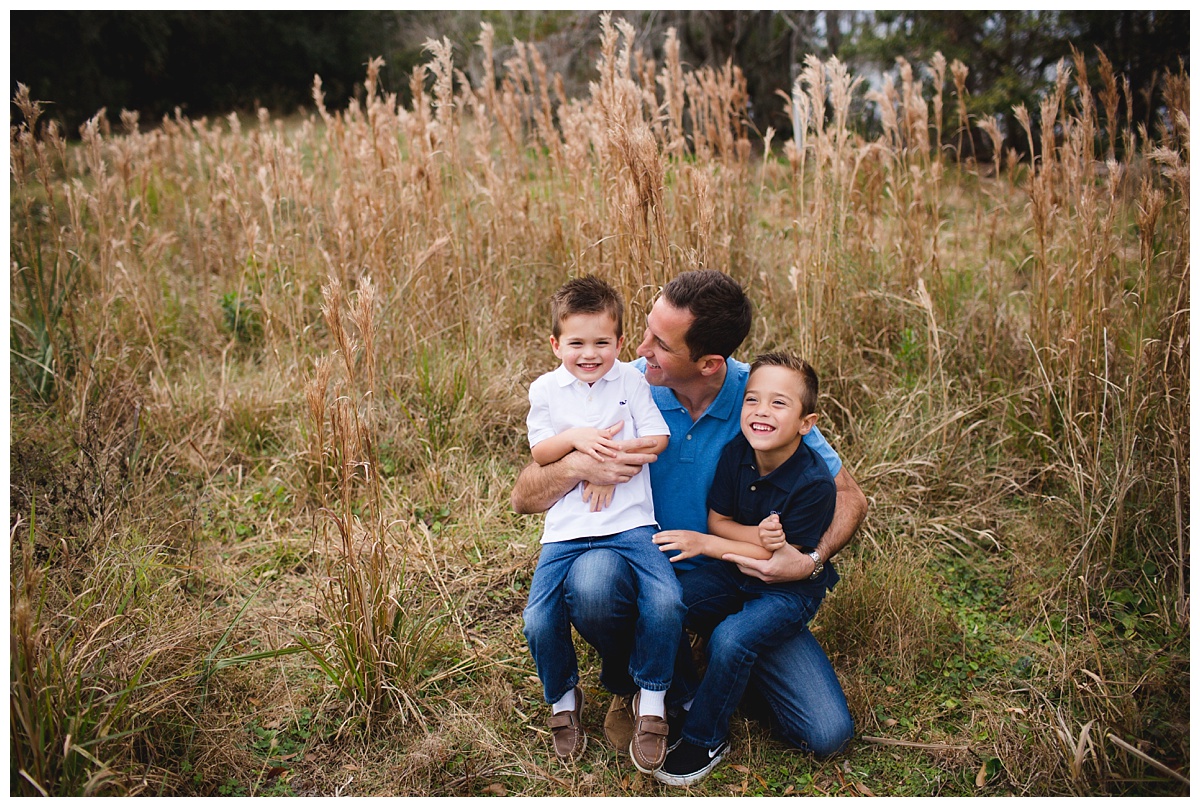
(538, 621)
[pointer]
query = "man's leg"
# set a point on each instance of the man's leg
(807, 706)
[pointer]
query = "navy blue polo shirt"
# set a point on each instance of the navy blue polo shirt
(801, 491)
(681, 477)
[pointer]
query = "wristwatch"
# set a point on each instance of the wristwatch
(818, 565)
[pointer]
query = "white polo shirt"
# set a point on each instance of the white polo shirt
(559, 401)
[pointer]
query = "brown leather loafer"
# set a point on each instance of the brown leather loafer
(618, 723)
(648, 747)
(566, 730)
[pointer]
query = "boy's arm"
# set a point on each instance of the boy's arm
(689, 543)
(789, 563)
(538, 487)
(553, 449)
(725, 527)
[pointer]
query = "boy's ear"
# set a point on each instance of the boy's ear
(807, 422)
(554, 346)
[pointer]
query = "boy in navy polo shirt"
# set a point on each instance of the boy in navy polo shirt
(770, 488)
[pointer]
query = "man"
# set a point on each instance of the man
(692, 330)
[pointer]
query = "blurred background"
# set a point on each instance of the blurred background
(217, 62)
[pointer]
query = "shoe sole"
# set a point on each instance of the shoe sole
(682, 780)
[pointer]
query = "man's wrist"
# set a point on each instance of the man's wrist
(818, 563)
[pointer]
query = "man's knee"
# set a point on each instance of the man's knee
(824, 738)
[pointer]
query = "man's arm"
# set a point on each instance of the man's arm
(789, 563)
(538, 487)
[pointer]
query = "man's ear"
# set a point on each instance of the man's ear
(807, 422)
(711, 364)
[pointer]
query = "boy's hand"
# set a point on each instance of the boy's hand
(597, 443)
(689, 543)
(600, 496)
(770, 533)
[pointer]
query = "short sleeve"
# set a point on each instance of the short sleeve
(817, 442)
(809, 511)
(538, 419)
(722, 496)
(647, 419)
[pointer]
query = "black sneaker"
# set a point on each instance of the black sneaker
(689, 763)
(675, 720)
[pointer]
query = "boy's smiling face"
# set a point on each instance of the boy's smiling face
(588, 345)
(773, 417)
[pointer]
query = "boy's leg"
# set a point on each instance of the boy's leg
(601, 601)
(710, 593)
(659, 607)
(807, 706)
(733, 650)
(547, 629)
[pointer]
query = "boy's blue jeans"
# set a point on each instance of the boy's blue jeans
(741, 617)
(792, 685)
(656, 592)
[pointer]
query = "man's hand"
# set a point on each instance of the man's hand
(599, 496)
(770, 533)
(785, 564)
(538, 487)
(689, 543)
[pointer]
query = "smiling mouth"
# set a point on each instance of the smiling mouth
(761, 428)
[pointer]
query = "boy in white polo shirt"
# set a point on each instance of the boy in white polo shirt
(591, 403)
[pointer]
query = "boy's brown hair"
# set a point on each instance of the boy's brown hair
(585, 295)
(808, 376)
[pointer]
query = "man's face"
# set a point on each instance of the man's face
(668, 360)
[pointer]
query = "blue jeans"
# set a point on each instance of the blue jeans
(792, 685)
(741, 618)
(650, 657)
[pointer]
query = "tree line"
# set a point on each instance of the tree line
(216, 62)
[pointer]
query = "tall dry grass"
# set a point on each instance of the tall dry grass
(328, 323)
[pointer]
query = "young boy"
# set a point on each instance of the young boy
(770, 488)
(584, 405)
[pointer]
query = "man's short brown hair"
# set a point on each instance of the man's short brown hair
(720, 311)
(808, 376)
(585, 295)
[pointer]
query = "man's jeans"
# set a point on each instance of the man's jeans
(649, 654)
(794, 681)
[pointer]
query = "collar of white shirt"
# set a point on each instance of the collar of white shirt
(564, 378)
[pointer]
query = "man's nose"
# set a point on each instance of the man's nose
(643, 349)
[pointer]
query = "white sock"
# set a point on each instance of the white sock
(652, 703)
(566, 703)
(687, 706)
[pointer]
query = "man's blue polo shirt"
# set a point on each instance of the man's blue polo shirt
(683, 473)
